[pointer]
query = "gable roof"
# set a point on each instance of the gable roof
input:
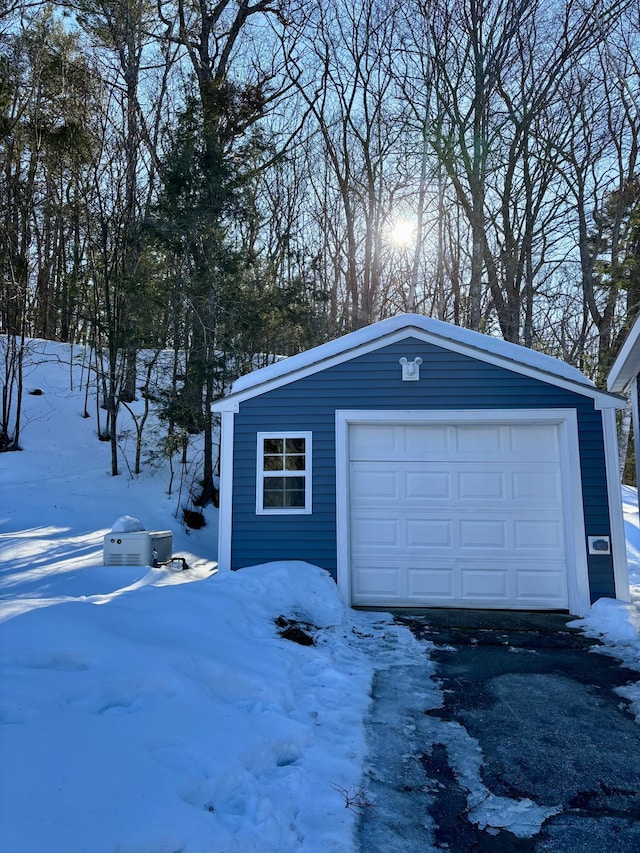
(482, 347)
(627, 364)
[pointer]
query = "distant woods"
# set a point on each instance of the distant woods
(241, 179)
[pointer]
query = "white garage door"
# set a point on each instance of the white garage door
(457, 515)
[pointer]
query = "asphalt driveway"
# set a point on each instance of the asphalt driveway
(532, 749)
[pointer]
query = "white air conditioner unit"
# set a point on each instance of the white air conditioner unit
(127, 549)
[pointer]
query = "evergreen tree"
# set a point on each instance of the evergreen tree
(194, 222)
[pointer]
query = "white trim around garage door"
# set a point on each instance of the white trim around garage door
(566, 419)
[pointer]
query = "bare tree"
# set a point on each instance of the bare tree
(355, 158)
(598, 160)
(45, 93)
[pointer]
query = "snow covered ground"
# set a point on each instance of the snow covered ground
(159, 710)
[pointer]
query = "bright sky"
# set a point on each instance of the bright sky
(402, 233)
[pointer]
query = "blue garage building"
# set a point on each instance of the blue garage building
(425, 465)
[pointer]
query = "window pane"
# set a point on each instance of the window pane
(283, 492)
(294, 499)
(295, 445)
(294, 463)
(293, 483)
(274, 484)
(273, 492)
(273, 500)
(294, 492)
(273, 445)
(273, 463)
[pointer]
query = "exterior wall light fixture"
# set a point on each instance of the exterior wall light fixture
(410, 369)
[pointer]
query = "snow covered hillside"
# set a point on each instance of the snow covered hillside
(159, 710)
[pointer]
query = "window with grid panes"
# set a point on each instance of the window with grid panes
(284, 473)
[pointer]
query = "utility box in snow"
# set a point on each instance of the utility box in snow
(127, 549)
(136, 549)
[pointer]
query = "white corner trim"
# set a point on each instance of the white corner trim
(574, 527)
(635, 419)
(579, 593)
(342, 507)
(226, 490)
(616, 516)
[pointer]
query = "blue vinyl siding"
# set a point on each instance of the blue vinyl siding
(448, 380)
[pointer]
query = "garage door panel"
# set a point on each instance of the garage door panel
(436, 584)
(374, 441)
(457, 514)
(372, 482)
(429, 533)
(504, 482)
(427, 442)
(479, 534)
(536, 441)
(379, 482)
(428, 485)
(487, 439)
(543, 580)
(377, 582)
(458, 584)
(540, 535)
(537, 483)
(482, 485)
(483, 582)
(377, 532)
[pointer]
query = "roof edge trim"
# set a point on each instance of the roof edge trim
(331, 354)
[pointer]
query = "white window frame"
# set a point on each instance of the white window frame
(261, 474)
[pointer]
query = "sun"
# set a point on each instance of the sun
(402, 233)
